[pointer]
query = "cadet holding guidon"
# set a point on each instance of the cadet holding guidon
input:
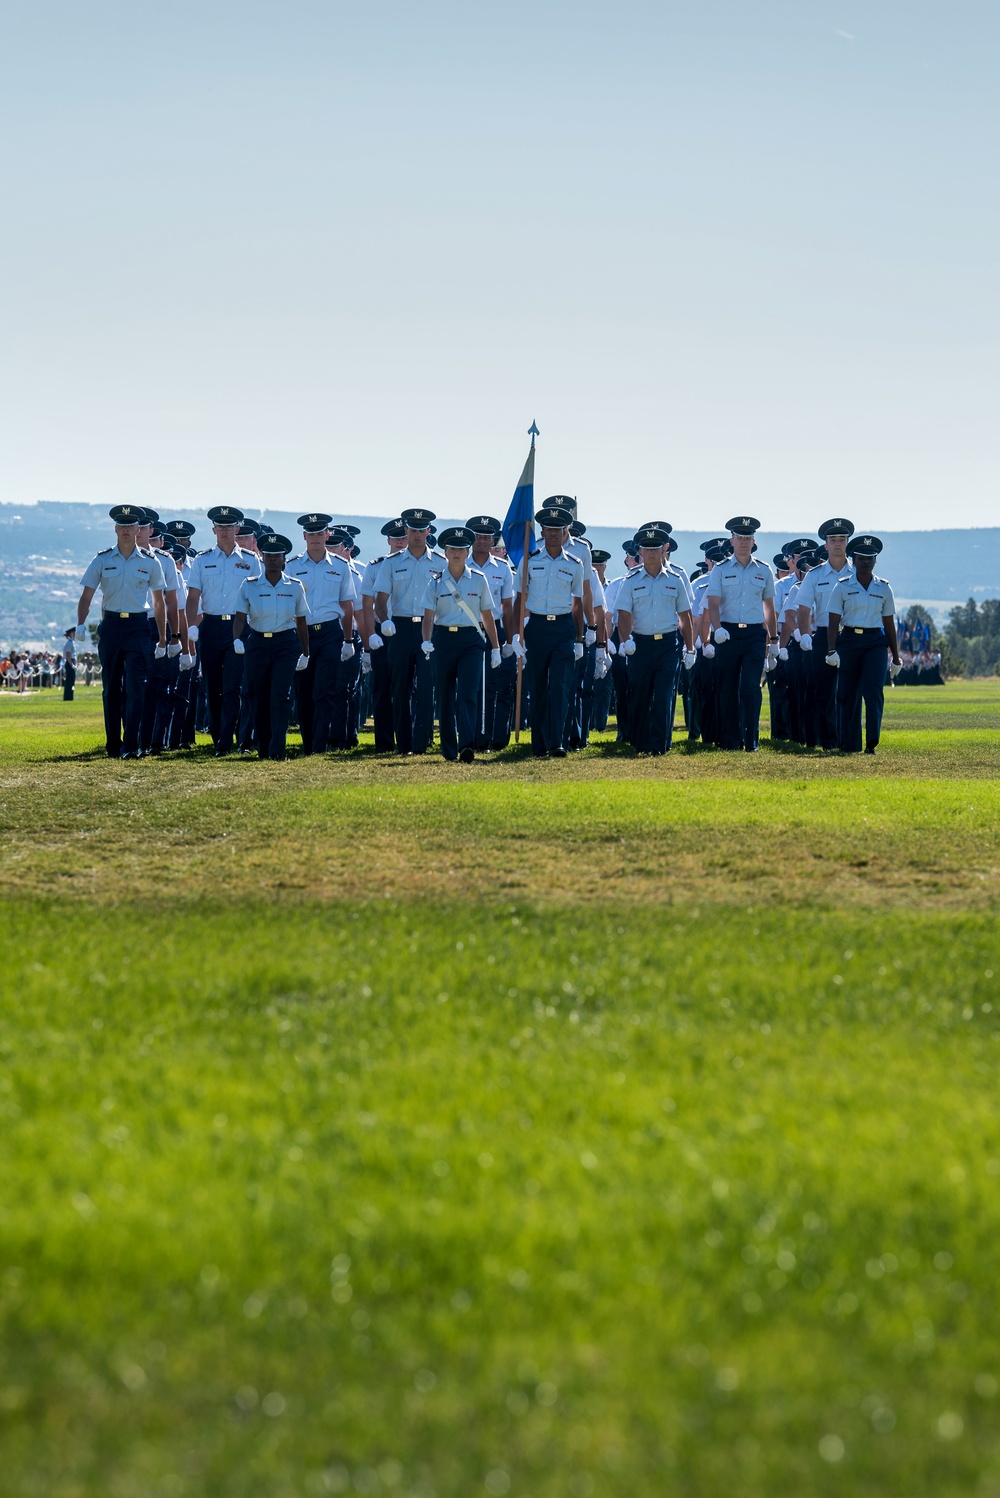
(400, 588)
(274, 606)
(862, 608)
(741, 606)
(653, 602)
(125, 575)
(213, 589)
(554, 633)
(375, 658)
(814, 609)
(458, 620)
(330, 593)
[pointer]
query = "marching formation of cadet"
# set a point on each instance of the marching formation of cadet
(237, 637)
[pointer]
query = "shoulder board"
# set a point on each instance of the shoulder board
(207, 552)
(105, 551)
(375, 561)
(534, 553)
(437, 575)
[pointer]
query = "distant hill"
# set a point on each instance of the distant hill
(45, 548)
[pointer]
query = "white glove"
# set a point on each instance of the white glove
(796, 636)
(374, 643)
(495, 658)
(427, 646)
(347, 651)
(302, 663)
(186, 663)
(708, 651)
(783, 653)
(612, 648)
(805, 642)
(833, 659)
(721, 635)
(772, 651)
(159, 652)
(590, 637)
(241, 649)
(174, 648)
(627, 647)
(894, 669)
(388, 630)
(578, 651)
(81, 632)
(769, 664)
(518, 648)
(193, 634)
(602, 656)
(366, 663)
(507, 651)
(689, 659)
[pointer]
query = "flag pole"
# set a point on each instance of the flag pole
(533, 433)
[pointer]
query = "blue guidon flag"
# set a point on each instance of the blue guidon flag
(521, 511)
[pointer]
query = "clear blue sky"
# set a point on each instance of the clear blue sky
(729, 256)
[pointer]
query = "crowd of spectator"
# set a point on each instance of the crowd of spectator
(35, 670)
(921, 668)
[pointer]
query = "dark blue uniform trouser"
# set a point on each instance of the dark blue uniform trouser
(270, 663)
(861, 677)
(822, 693)
(501, 689)
(412, 688)
(126, 657)
(652, 676)
(69, 680)
(738, 666)
(458, 667)
(222, 669)
(316, 686)
(159, 690)
(549, 643)
(619, 675)
(382, 698)
(779, 690)
(347, 700)
(602, 700)
(581, 701)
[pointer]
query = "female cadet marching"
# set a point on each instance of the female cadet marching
(862, 608)
(458, 620)
(274, 606)
(653, 605)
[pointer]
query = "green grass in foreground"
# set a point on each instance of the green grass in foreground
(505, 1183)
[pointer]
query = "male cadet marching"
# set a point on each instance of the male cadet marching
(277, 642)
(603, 680)
(788, 672)
(124, 575)
(619, 662)
(458, 623)
(399, 594)
(652, 603)
(493, 728)
(814, 607)
(554, 633)
(862, 609)
(347, 694)
(213, 589)
(741, 607)
(330, 594)
(158, 697)
(178, 534)
(375, 658)
(582, 683)
(715, 550)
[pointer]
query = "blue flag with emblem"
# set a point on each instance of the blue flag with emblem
(521, 512)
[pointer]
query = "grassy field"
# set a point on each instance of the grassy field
(608, 1127)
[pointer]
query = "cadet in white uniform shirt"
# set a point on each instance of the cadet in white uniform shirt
(376, 657)
(213, 589)
(652, 605)
(277, 644)
(400, 587)
(124, 575)
(741, 607)
(814, 608)
(493, 731)
(330, 594)
(861, 607)
(553, 635)
(458, 623)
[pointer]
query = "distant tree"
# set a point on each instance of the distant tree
(917, 614)
(964, 621)
(972, 638)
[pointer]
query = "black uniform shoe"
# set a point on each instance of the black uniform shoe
(870, 749)
(467, 756)
(559, 753)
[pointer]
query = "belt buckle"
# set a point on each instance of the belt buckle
(415, 619)
(657, 637)
(268, 634)
(859, 631)
(452, 629)
(226, 618)
(741, 626)
(551, 618)
(123, 616)
(315, 626)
